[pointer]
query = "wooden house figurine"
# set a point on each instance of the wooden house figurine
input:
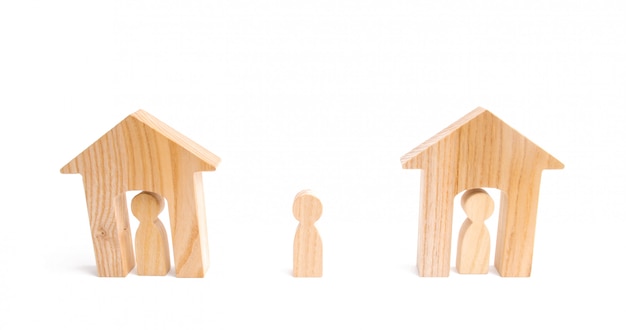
(478, 150)
(143, 153)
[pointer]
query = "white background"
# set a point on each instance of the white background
(326, 95)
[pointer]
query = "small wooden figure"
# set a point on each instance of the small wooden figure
(307, 245)
(151, 247)
(478, 150)
(472, 255)
(143, 153)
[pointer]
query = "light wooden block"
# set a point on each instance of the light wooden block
(307, 245)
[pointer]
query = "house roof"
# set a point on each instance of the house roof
(158, 128)
(418, 157)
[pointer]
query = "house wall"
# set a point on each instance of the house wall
(516, 225)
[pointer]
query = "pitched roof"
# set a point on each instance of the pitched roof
(159, 128)
(416, 158)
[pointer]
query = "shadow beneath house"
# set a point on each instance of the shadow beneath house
(91, 270)
(411, 268)
(493, 271)
(172, 272)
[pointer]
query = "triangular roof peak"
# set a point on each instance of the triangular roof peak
(417, 158)
(160, 128)
(176, 137)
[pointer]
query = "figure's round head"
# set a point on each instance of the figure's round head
(477, 204)
(306, 207)
(147, 205)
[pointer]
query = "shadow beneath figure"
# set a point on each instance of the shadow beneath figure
(492, 271)
(170, 273)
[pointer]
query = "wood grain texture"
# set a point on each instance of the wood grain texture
(472, 255)
(151, 247)
(479, 150)
(143, 153)
(307, 245)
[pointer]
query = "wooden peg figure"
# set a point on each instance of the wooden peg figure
(474, 243)
(307, 245)
(151, 248)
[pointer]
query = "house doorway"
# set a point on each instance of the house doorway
(491, 224)
(163, 216)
